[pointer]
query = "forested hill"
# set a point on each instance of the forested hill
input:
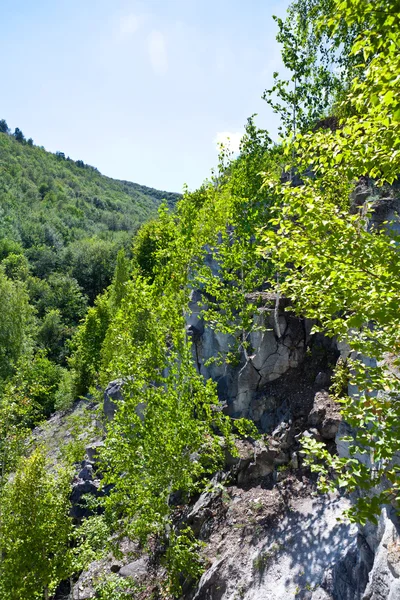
(62, 224)
(57, 211)
(65, 200)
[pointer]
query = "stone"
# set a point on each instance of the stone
(284, 434)
(79, 509)
(294, 461)
(201, 511)
(92, 451)
(275, 350)
(136, 570)
(258, 465)
(322, 380)
(114, 394)
(212, 585)
(325, 415)
(86, 473)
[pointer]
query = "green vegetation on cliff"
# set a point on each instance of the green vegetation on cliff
(280, 218)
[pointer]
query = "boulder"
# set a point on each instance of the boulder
(325, 415)
(79, 510)
(92, 451)
(136, 570)
(86, 473)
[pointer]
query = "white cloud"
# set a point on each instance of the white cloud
(229, 139)
(129, 24)
(158, 52)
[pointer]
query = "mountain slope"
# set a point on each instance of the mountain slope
(47, 199)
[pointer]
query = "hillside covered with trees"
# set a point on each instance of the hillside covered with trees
(62, 224)
(278, 221)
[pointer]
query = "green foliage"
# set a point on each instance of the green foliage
(62, 293)
(113, 587)
(167, 415)
(34, 383)
(15, 324)
(92, 540)
(150, 248)
(339, 269)
(318, 65)
(35, 530)
(183, 559)
(92, 264)
(61, 226)
(64, 396)
(53, 202)
(87, 345)
(120, 280)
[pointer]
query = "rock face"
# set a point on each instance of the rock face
(268, 534)
(276, 348)
(277, 557)
(371, 569)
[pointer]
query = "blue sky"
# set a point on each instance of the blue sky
(141, 90)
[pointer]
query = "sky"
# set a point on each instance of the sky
(141, 90)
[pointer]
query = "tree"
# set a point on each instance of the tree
(35, 382)
(15, 325)
(340, 271)
(121, 276)
(19, 136)
(319, 60)
(92, 264)
(87, 345)
(35, 530)
(4, 127)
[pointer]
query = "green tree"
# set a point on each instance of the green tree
(4, 127)
(87, 346)
(35, 530)
(319, 60)
(19, 136)
(15, 325)
(338, 269)
(92, 263)
(121, 276)
(35, 382)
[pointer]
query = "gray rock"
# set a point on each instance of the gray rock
(93, 450)
(286, 560)
(202, 510)
(322, 380)
(258, 464)
(136, 570)
(274, 353)
(79, 509)
(212, 585)
(114, 394)
(86, 473)
(383, 581)
(325, 415)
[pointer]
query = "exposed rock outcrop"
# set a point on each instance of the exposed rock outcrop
(273, 354)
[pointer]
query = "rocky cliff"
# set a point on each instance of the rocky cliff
(268, 534)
